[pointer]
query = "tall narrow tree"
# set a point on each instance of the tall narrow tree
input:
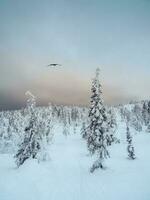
(98, 128)
(31, 141)
(130, 148)
(145, 113)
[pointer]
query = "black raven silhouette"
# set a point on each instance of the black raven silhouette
(53, 65)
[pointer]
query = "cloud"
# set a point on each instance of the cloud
(64, 85)
(10, 102)
(60, 87)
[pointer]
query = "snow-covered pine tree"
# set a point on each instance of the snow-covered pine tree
(130, 148)
(84, 130)
(136, 124)
(136, 120)
(49, 124)
(148, 107)
(65, 123)
(75, 127)
(127, 115)
(148, 110)
(112, 119)
(145, 113)
(5, 135)
(98, 128)
(121, 109)
(112, 127)
(30, 145)
(45, 123)
(137, 111)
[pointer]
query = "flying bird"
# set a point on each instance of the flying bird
(53, 65)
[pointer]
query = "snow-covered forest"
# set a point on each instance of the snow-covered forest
(70, 152)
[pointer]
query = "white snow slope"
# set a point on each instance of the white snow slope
(66, 176)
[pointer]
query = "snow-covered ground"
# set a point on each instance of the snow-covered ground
(66, 175)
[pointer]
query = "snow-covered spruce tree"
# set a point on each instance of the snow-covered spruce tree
(45, 123)
(112, 127)
(127, 115)
(5, 135)
(122, 113)
(65, 122)
(49, 124)
(75, 127)
(84, 130)
(44, 128)
(136, 120)
(137, 111)
(145, 113)
(112, 119)
(30, 145)
(136, 124)
(130, 148)
(98, 128)
(148, 110)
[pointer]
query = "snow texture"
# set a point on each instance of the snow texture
(66, 176)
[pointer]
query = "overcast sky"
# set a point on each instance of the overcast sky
(81, 35)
